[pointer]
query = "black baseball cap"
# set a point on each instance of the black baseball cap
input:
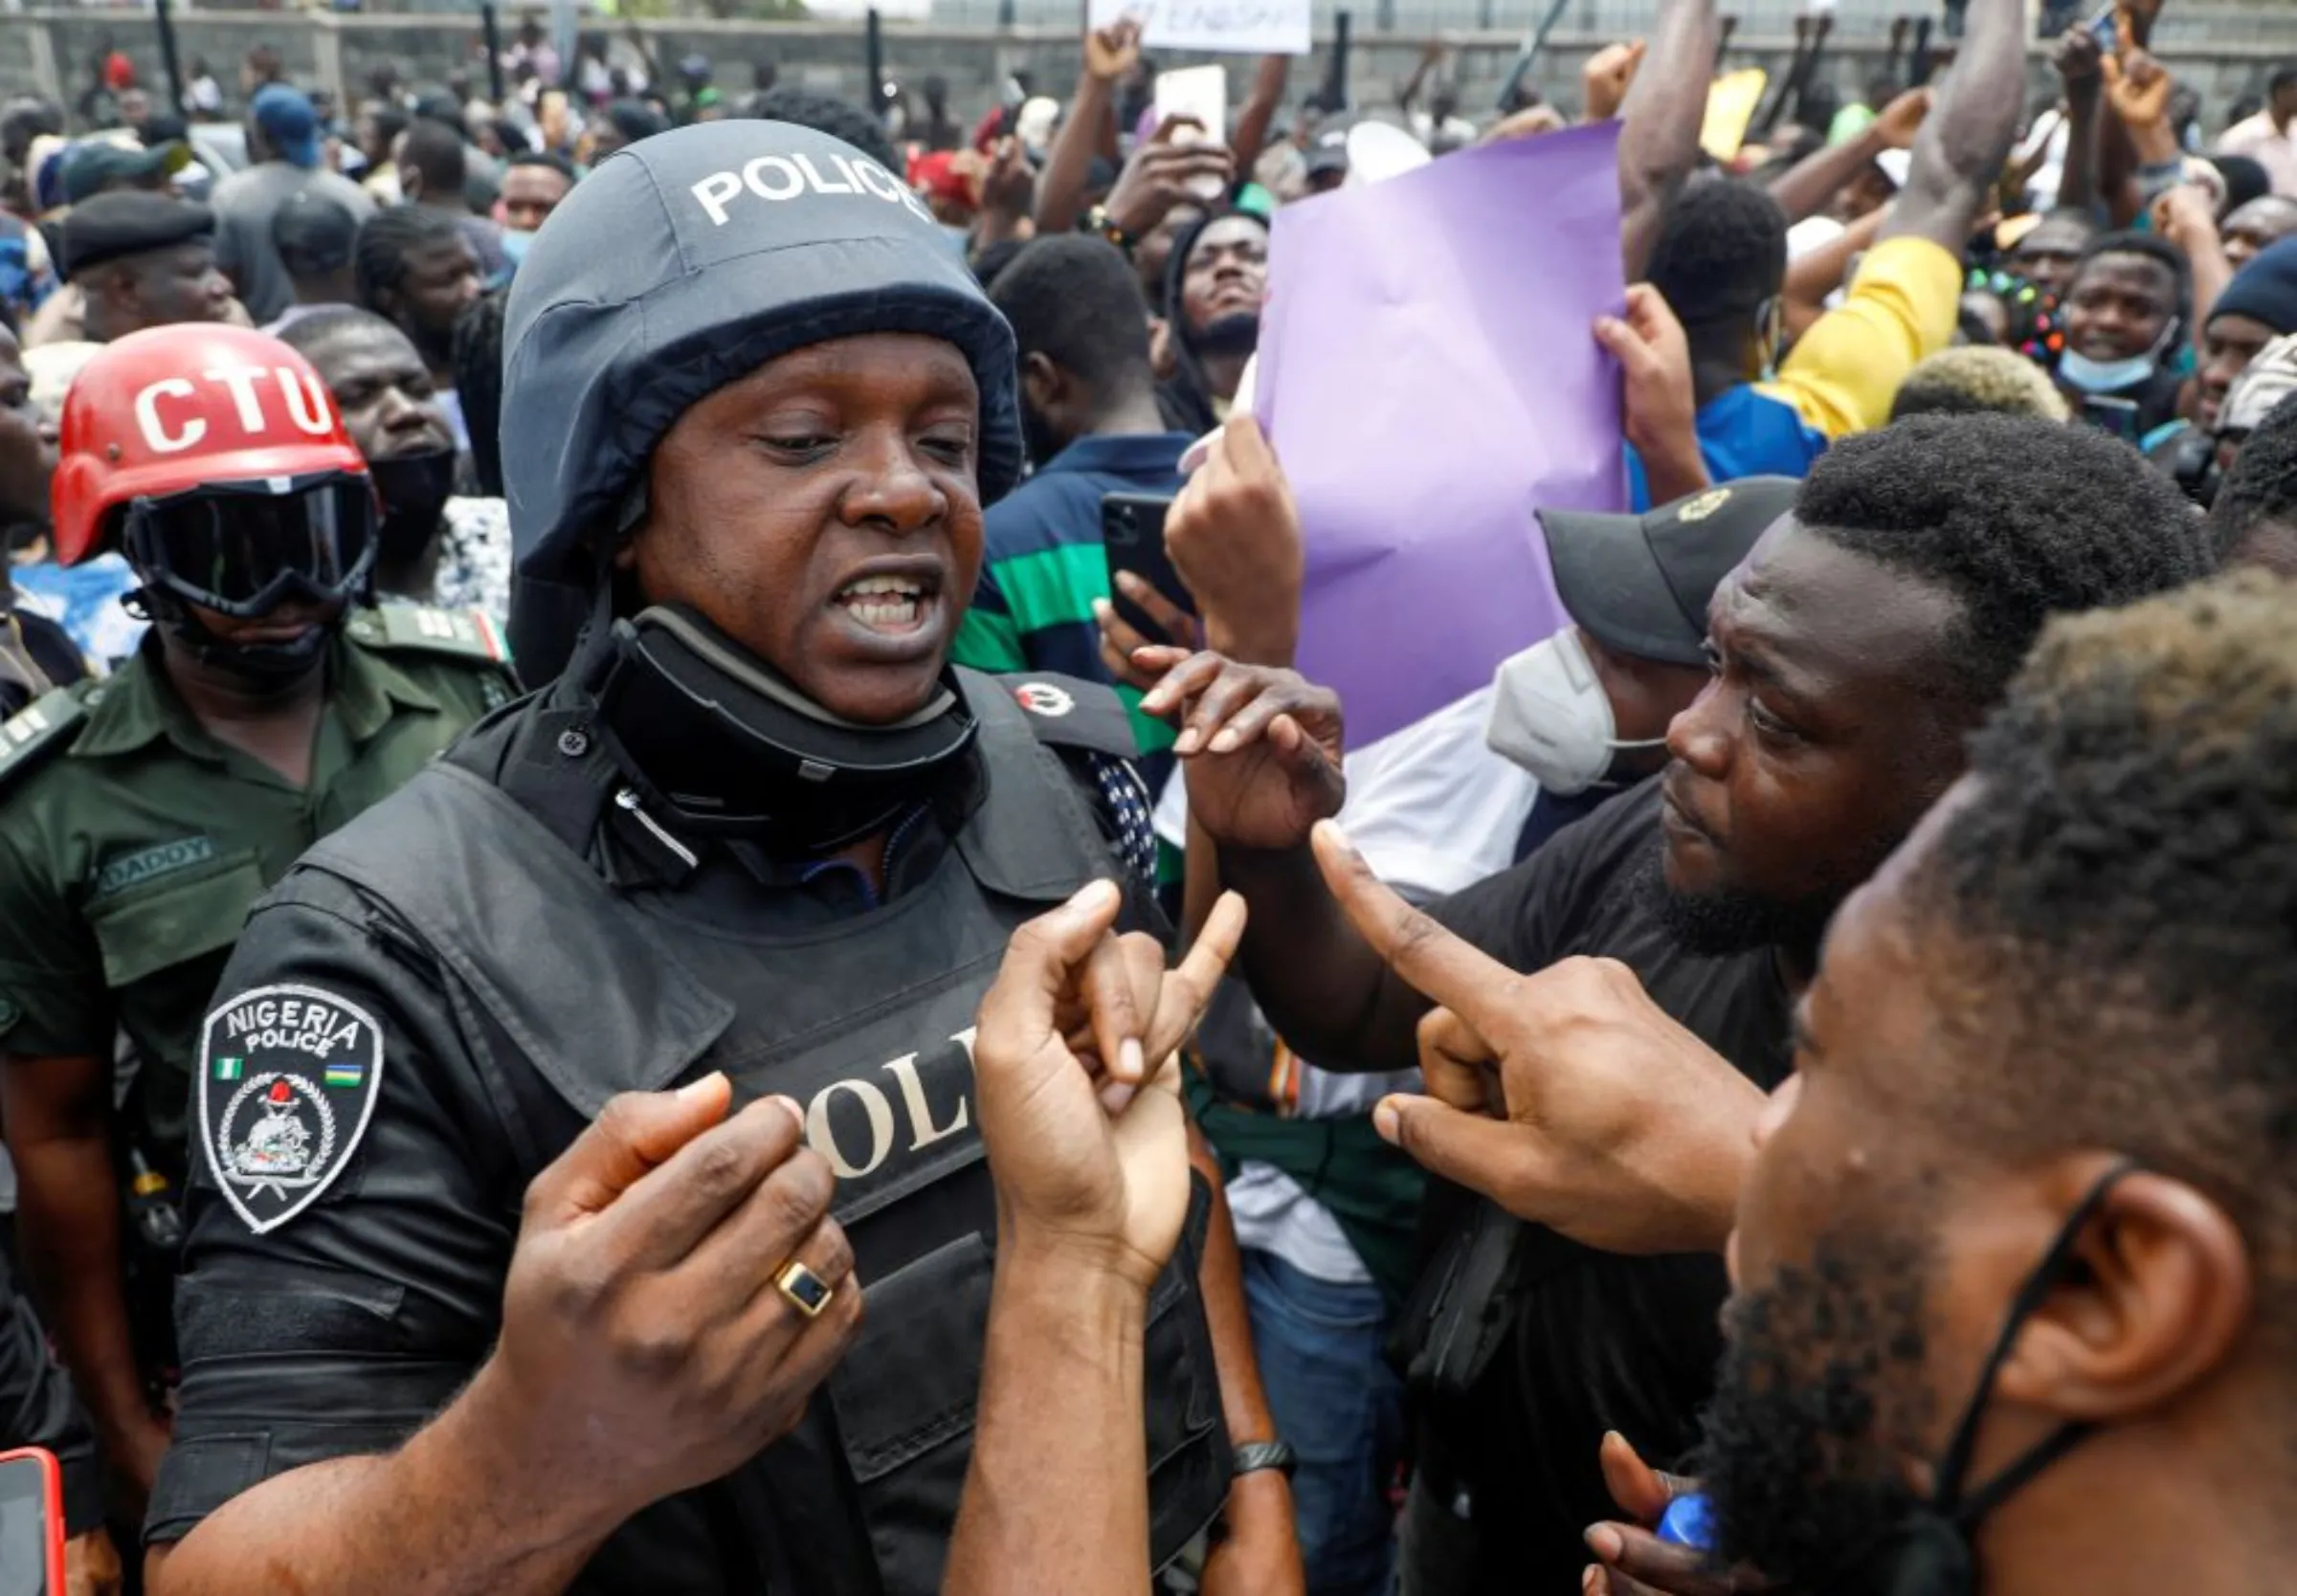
(1640, 584)
(1327, 151)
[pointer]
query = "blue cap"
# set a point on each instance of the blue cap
(2265, 290)
(680, 265)
(288, 124)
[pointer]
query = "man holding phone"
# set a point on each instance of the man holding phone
(1088, 407)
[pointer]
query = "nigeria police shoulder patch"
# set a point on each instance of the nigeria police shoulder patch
(287, 1082)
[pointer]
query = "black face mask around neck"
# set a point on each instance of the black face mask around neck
(728, 745)
(1929, 1554)
(415, 490)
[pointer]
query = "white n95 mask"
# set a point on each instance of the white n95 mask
(1549, 715)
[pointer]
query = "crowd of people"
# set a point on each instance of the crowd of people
(637, 719)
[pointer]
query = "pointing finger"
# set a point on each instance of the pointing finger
(1446, 971)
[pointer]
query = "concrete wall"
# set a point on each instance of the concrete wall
(2224, 50)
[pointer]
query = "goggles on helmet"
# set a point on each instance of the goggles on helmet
(244, 548)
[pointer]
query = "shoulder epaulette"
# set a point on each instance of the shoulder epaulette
(1068, 712)
(40, 726)
(464, 634)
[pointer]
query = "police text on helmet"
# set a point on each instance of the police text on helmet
(775, 178)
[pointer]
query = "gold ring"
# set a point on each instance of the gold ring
(805, 1291)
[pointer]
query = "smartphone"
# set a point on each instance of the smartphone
(32, 1523)
(2118, 416)
(2101, 26)
(1132, 533)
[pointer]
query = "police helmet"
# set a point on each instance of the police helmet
(684, 263)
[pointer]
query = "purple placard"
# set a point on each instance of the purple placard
(1428, 378)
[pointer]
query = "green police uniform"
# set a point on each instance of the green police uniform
(132, 842)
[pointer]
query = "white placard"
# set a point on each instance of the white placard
(1235, 27)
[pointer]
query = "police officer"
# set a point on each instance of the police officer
(758, 843)
(142, 814)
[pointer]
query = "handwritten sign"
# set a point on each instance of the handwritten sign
(1235, 27)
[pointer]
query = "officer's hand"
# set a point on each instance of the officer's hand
(1262, 746)
(1082, 1118)
(645, 1347)
(1630, 1559)
(1568, 1098)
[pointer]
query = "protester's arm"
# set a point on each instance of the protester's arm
(58, 1111)
(1108, 52)
(1657, 405)
(2138, 89)
(1811, 277)
(1260, 749)
(1659, 143)
(1968, 136)
(1847, 368)
(1006, 193)
(1056, 1493)
(1261, 107)
(1813, 183)
(1261, 1553)
(1090, 1205)
(1234, 538)
(2185, 218)
(1606, 78)
(2076, 59)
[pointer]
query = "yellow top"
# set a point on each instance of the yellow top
(1901, 309)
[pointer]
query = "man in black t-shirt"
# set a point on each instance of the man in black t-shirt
(1854, 650)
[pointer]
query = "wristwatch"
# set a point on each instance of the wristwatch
(1255, 1455)
(1097, 220)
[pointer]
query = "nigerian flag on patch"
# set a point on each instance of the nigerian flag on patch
(346, 1074)
(229, 1069)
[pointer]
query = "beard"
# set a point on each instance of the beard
(1236, 334)
(1819, 1400)
(1717, 924)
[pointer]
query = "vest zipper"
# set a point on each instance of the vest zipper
(628, 799)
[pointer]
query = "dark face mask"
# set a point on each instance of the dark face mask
(1924, 1547)
(415, 489)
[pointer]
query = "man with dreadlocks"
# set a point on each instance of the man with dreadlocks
(416, 269)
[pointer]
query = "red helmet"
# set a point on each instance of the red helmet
(177, 410)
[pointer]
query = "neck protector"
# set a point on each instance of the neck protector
(729, 746)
